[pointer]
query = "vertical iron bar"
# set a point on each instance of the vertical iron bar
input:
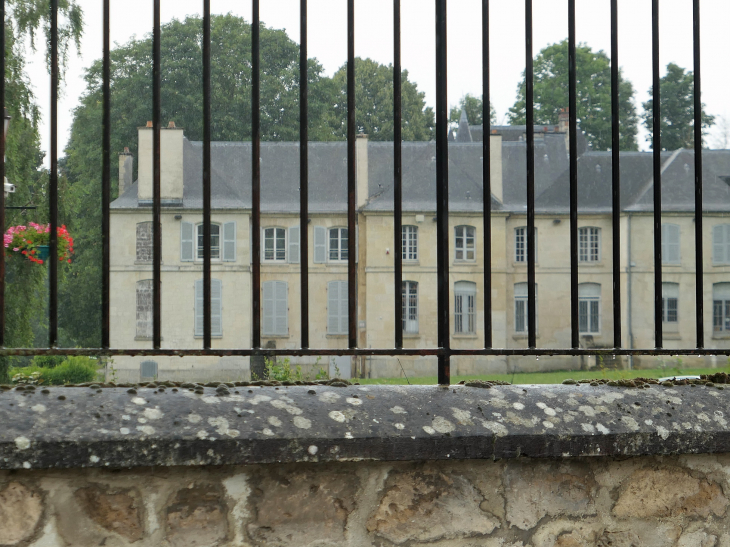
(615, 178)
(572, 137)
(304, 173)
(106, 181)
(53, 186)
(397, 177)
(487, 176)
(657, 148)
(2, 173)
(207, 308)
(442, 196)
(530, 132)
(156, 189)
(351, 178)
(699, 260)
(256, 173)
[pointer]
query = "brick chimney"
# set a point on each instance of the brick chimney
(564, 120)
(125, 170)
(171, 163)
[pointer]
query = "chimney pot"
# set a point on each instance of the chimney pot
(149, 123)
(126, 149)
(171, 125)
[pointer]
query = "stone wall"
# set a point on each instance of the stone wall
(641, 501)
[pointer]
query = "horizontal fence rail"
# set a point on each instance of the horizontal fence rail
(444, 351)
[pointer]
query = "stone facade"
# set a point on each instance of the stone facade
(643, 501)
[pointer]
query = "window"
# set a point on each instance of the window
(276, 307)
(148, 370)
(721, 307)
(589, 308)
(410, 242)
(670, 298)
(521, 244)
(144, 309)
(465, 296)
(670, 244)
(275, 244)
(192, 241)
(410, 307)
(337, 244)
(589, 244)
(337, 311)
(465, 243)
(721, 244)
(216, 307)
(144, 242)
(215, 242)
(521, 309)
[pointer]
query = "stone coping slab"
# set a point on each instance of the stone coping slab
(61, 427)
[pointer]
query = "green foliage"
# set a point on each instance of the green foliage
(47, 361)
(474, 111)
(282, 371)
(593, 88)
(677, 110)
(74, 370)
(374, 104)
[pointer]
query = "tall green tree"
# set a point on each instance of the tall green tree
(677, 98)
(474, 108)
(374, 104)
(593, 86)
(25, 294)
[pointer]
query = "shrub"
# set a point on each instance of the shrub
(74, 370)
(47, 361)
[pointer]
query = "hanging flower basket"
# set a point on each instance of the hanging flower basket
(32, 242)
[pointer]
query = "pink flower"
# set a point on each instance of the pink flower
(16, 249)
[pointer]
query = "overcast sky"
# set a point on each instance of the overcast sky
(373, 38)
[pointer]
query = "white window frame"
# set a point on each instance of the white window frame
(409, 243)
(215, 250)
(521, 244)
(521, 308)
(337, 309)
(463, 235)
(271, 304)
(721, 245)
(589, 244)
(721, 308)
(670, 245)
(216, 308)
(670, 291)
(589, 307)
(409, 294)
(278, 254)
(465, 303)
(341, 254)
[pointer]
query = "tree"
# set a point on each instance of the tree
(374, 104)
(474, 111)
(677, 110)
(593, 86)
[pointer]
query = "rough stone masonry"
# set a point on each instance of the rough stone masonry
(507, 466)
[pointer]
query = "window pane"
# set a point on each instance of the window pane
(520, 322)
(583, 316)
(595, 319)
(717, 315)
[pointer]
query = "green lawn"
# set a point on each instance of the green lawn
(550, 377)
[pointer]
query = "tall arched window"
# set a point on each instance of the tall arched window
(410, 307)
(589, 308)
(465, 296)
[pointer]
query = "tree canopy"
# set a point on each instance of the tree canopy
(593, 85)
(677, 95)
(474, 111)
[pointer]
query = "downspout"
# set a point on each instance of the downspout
(628, 270)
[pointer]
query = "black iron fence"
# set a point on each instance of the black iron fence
(444, 350)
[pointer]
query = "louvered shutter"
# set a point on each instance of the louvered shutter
(333, 307)
(199, 307)
(229, 242)
(344, 315)
(269, 307)
(357, 243)
(670, 244)
(280, 322)
(320, 244)
(720, 243)
(216, 307)
(294, 244)
(187, 241)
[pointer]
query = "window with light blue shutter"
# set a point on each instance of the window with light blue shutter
(320, 244)
(229, 242)
(721, 244)
(294, 245)
(670, 244)
(186, 241)
(216, 308)
(337, 308)
(275, 309)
